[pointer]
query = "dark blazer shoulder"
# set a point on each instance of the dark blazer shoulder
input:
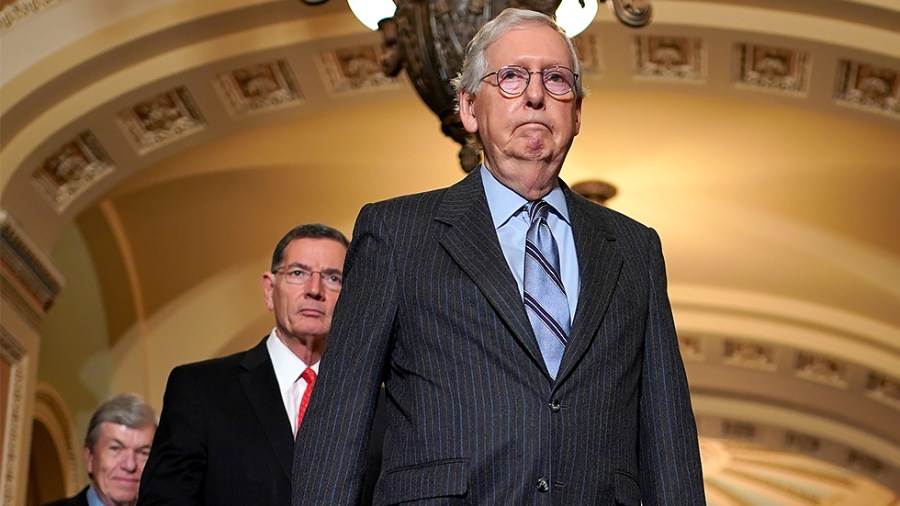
(227, 364)
(79, 499)
(407, 209)
(462, 192)
(600, 219)
(614, 219)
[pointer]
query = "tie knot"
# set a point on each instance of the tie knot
(309, 375)
(538, 210)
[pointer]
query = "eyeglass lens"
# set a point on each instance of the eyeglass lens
(298, 276)
(513, 79)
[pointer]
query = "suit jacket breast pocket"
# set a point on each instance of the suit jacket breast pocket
(430, 480)
(628, 492)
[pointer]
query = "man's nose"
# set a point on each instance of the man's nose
(314, 285)
(129, 462)
(535, 93)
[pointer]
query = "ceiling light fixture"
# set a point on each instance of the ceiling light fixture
(370, 12)
(576, 15)
(573, 15)
(428, 39)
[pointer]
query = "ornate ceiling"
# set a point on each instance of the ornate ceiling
(178, 140)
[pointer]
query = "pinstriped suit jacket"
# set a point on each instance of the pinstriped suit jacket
(430, 307)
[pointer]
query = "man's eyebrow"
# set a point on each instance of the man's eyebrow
(327, 270)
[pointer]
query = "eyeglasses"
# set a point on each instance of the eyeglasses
(301, 275)
(514, 79)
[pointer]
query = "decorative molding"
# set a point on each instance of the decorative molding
(354, 69)
(761, 438)
(821, 369)
(670, 58)
(883, 389)
(161, 119)
(257, 88)
(807, 365)
(743, 473)
(691, 346)
(749, 355)
(28, 276)
(801, 443)
(865, 463)
(758, 478)
(742, 431)
(50, 411)
(772, 68)
(14, 354)
(869, 87)
(590, 53)
(19, 10)
(72, 169)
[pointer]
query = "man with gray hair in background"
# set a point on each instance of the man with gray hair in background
(116, 448)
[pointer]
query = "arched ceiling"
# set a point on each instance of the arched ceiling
(760, 138)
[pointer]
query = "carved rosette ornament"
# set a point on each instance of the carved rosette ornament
(428, 38)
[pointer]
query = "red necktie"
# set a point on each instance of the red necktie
(310, 376)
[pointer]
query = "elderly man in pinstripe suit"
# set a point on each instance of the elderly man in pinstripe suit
(523, 334)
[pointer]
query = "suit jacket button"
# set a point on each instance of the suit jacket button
(555, 406)
(543, 485)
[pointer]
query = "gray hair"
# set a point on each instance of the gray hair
(475, 63)
(129, 410)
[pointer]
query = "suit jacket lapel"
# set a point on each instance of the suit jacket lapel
(599, 264)
(472, 242)
(261, 387)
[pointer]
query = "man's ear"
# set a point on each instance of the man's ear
(88, 461)
(578, 116)
(467, 111)
(268, 287)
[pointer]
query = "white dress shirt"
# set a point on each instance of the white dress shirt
(288, 368)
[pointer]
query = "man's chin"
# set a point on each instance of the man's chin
(533, 150)
(311, 328)
(124, 496)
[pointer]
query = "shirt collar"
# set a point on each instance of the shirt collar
(287, 365)
(92, 498)
(505, 203)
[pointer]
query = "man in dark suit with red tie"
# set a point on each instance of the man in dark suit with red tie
(226, 433)
(523, 334)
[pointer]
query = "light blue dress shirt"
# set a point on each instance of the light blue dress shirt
(511, 223)
(92, 497)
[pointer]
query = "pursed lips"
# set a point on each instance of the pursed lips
(534, 123)
(127, 481)
(311, 311)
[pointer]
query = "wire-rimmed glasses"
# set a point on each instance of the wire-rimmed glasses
(514, 79)
(295, 275)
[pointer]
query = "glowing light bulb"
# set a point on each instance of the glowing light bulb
(574, 18)
(370, 12)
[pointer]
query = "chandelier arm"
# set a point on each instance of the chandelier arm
(427, 39)
(633, 13)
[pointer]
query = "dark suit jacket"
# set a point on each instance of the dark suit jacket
(430, 307)
(79, 499)
(223, 436)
